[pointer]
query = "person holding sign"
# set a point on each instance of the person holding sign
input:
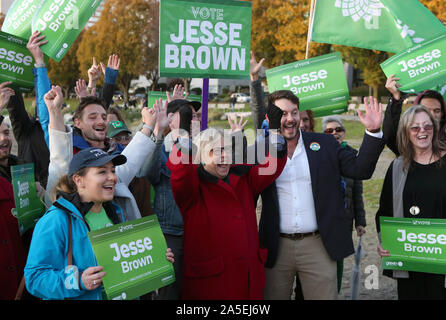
(307, 237)
(431, 99)
(414, 188)
(84, 203)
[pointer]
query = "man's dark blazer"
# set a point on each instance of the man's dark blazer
(327, 165)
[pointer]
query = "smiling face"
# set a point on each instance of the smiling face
(421, 132)
(98, 183)
(93, 124)
(336, 130)
(218, 161)
(5, 143)
(290, 122)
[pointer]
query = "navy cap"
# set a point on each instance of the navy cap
(175, 105)
(93, 157)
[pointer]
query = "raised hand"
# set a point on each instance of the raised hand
(114, 63)
(178, 93)
(236, 125)
(149, 115)
(54, 99)
(5, 94)
(162, 119)
(393, 86)
(34, 44)
(94, 73)
(82, 90)
(254, 67)
(372, 118)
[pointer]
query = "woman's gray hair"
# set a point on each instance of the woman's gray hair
(326, 120)
(206, 140)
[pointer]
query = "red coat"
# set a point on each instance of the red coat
(12, 254)
(222, 257)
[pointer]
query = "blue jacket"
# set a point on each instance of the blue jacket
(46, 275)
(165, 207)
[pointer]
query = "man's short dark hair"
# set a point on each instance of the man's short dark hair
(283, 94)
(86, 102)
(172, 83)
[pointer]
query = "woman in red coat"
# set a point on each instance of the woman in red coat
(222, 257)
(12, 253)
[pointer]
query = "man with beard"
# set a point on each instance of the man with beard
(303, 222)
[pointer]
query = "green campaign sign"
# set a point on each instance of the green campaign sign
(134, 256)
(205, 38)
(414, 244)
(28, 207)
(61, 21)
(16, 62)
(19, 18)
(155, 95)
(420, 67)
(319, 83)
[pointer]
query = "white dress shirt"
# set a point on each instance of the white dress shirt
(295, 194)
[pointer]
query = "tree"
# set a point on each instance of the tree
(368, 61)
(437, 7)
(123, 29)
(66, 72)
(279, 31)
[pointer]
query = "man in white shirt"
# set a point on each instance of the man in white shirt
(303, 223)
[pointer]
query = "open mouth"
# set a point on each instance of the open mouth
(422, 137)
(109, 188)
(4, 147)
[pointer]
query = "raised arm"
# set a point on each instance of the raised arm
(393, 113)
(110, 76)
(361, 167)
(256, 92)
(61, 141)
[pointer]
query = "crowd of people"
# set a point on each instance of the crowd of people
(96, 173)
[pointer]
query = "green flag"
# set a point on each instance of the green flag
(386, 25)
(205, 38)
(155, 95)
(19, 18)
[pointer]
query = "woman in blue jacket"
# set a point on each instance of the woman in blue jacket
(84, 204)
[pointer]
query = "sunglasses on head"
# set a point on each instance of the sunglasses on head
(426, 127)
(331, 130)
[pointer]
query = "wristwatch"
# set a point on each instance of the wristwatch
(39, 65)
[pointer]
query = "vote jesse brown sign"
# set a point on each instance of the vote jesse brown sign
(205, 39)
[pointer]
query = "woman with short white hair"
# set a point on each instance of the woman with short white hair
(222, 257)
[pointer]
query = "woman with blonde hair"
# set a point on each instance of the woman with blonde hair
(222, 257)
(414, 187)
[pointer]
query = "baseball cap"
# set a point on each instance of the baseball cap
(116, 127)
(175, 105)
(93, 157)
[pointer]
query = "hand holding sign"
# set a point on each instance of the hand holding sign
(5, 94)
(393, 86)
(92, 277)
(372, 118)
(34, 44)
(382, 252)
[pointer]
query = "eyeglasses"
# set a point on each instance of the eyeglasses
(331, 130)
(123, 138)
(426, 127)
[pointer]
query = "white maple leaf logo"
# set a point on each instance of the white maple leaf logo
(357, 9)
